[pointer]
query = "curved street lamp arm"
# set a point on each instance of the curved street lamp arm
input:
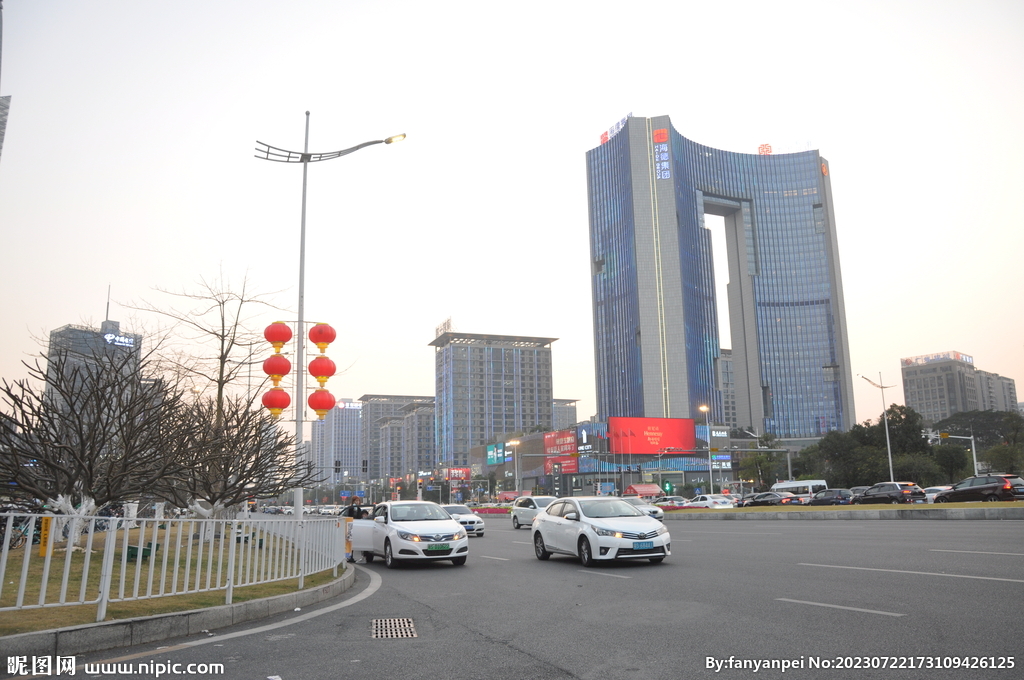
(273, 153)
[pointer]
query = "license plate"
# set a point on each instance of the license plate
(438, 546)
(643, 545)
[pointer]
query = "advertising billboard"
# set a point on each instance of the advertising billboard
(650, 435)
(456, 474)
(560, 443)
(588, 436)
(496, 453)
(570, 464)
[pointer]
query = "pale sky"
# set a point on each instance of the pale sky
(128, 162)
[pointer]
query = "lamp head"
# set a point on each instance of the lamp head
(395, 138)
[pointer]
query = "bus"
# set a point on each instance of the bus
(805, 488)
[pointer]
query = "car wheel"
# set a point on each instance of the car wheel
(586, 556)
(389, 559)
(991, 498)
(515, 522)
(538, 547)
(459, 561)
(894, 501)
(657, 560)
(941, 499)
(368, 556)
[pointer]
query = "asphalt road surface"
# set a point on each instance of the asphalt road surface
(936, 599)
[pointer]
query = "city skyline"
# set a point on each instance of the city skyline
(127, 162)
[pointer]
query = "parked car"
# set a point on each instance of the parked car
(525, 508)
(892, 492)
(643, 506)
(470, 521)
(773, 498)
(832, 497)
(744, 500)
(416, 530)
(995, 486)
(858, 490)
(669, 501)
(930, 492)
(717, 501)
(599, 528)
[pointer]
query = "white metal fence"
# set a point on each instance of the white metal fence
(119, 560)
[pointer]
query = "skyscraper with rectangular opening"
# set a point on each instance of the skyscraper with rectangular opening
(656, 334)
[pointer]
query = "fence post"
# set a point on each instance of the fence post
(235, 537)
(302, 554)
(106, 571)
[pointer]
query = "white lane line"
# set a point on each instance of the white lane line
(918, 573)
(601, 573)
(974, 552)
(522, 542)
(836, 606)
(488, 557)
(729, 533)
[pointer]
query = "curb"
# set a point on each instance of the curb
(984, 513)
(95, 637)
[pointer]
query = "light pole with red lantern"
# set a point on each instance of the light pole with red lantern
(273, 153)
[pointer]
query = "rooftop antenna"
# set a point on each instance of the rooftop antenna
(107, 317)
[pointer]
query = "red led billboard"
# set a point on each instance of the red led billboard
(650, 435)
(570, 465)
(560, 443)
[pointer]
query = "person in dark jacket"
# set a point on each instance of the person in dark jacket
(353, 510)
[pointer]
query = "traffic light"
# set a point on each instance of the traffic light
(668, 487)
(366, 465)
(337, 467)
(597, 488)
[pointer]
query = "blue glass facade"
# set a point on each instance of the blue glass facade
(655, 313)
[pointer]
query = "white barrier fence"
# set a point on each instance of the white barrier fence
(119, 560)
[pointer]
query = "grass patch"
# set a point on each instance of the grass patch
(46, 618)
(852, 508)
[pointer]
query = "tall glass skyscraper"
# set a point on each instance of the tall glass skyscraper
(656, 335)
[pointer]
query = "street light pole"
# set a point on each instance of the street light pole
(707, 424)
(885, 419)
(273, 153)
(515, 464)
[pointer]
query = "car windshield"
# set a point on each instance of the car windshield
(418, 513)
(719, 497)
(609, 507)
(633, 500)
(458, 510)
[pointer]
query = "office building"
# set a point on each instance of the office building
(83, 348)
(488, 386)
(996, 392)
(656, 330)
(419, 444)
(939, 385)
(727, 388)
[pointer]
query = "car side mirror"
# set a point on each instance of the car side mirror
(572, 516)
(379, 519)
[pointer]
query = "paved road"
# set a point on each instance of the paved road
(753, 590)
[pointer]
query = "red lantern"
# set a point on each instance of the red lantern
(277, 334)
(277, 366)
(276, 400)
(322, 368)
(322, 335)
(322, 401)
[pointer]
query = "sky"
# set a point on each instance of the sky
(128, 163)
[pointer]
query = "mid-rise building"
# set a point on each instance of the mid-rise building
(381, 459)
(419, 444)
(940, 385)
(563, 414)
(337, 443)
(80, 347)
(488, 386)
(656, 330)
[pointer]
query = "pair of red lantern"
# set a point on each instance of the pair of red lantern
(277, 366)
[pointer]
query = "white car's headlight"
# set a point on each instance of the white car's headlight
(606, 532)
(406, 536)
(460, 535)
(662, 530)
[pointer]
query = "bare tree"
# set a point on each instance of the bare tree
(82, 433)
(235, 452)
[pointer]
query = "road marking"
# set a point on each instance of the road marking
(730, 533)
(975, 552)
(522, 542)
(601, 573)
(488, 557)
(836, 606)
(918, 573)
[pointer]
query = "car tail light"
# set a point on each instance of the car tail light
(1007, 485)
(906, 491)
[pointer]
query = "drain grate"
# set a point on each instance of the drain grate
(392, 628)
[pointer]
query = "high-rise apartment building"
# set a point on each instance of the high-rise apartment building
(337, 443)
(377, 407)
(942, 384)
(419, 444)
(656, 334)
(488, 386)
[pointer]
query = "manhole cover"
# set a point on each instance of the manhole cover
(392, 628)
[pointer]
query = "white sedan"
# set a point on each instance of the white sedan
(471, 522)
(599, 528)
(717, 501)
(416, 530)
(930, 492)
